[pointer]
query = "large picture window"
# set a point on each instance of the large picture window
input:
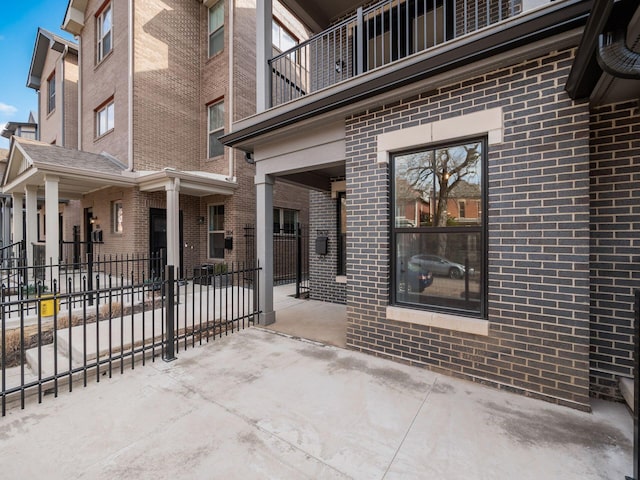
(216, 231)
(438, 251)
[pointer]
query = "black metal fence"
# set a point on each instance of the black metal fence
(290, 255)
(87, 333)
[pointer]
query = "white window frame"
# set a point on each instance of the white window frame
(214, 130)
(107, 109)
(281, 230)
(278, 31)
(51, 93)
(216, 28)
(118, 216)
(102, 34)
(211, 232)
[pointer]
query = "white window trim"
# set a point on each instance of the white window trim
(282, 210)
(51, 81)
(487, 122)
(105, 108)
(209, 32)
(114, 213)
(457, 323)
(209, 232)
(210, 132)
(100, 55)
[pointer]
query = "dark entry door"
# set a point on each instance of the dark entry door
(158, 239)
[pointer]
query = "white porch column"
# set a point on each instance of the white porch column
(52, 242)
(17, 200)
(264, 51)
(6, 221)
(264, 244)
(31, 213)
(173, 223)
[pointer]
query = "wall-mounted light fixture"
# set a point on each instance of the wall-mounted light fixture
(339, 66)
(200, 220)
(93, 220)
(248, 156)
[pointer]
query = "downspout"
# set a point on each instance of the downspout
(130, 87)
(39, 127)
(615, 58)
(62, 118)
(232, 152)
(79, 40)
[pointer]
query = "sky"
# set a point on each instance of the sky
(19, 22)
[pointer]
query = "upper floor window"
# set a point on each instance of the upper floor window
(216, 129)
(105, 118)
(216, 28)
(51, 93)
(281, 38)
(438, 257)
(104, 41)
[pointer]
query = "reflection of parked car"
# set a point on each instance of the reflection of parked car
(439, 265)
(414, 278)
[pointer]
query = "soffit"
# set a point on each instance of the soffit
(319, 15)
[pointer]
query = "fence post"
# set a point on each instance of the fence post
(298, 259)
(169, 349)
(90, 275)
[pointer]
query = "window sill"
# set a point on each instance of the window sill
(445, 321)
(100, 62)
(98, 138)
(211, 58)
(341, 279)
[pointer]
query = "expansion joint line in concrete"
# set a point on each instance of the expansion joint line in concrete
(406, 434)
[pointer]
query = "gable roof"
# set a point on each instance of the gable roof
(78, 173)
(30, 161)
(46, 40)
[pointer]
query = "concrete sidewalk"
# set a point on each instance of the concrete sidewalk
(257, 405)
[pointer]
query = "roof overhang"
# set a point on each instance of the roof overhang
(319, 15)
(73, 182)
(22, 172)
(11, 127)
(587, 78)
(74, 17)
(45, 40)
(197, 184)
(554, 26)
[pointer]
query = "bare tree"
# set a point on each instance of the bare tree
(435, 173)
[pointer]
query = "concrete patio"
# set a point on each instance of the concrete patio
(259, 404)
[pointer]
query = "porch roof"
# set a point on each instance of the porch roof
(80, 173)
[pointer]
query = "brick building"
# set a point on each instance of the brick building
(498, 109)
(158, 83)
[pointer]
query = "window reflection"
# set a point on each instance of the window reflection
(438, 227)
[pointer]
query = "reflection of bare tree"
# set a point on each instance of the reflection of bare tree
(435, 173)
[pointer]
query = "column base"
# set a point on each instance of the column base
(267, 318)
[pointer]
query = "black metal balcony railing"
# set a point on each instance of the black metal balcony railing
(377, 36)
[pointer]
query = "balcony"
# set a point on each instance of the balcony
(379, 35)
